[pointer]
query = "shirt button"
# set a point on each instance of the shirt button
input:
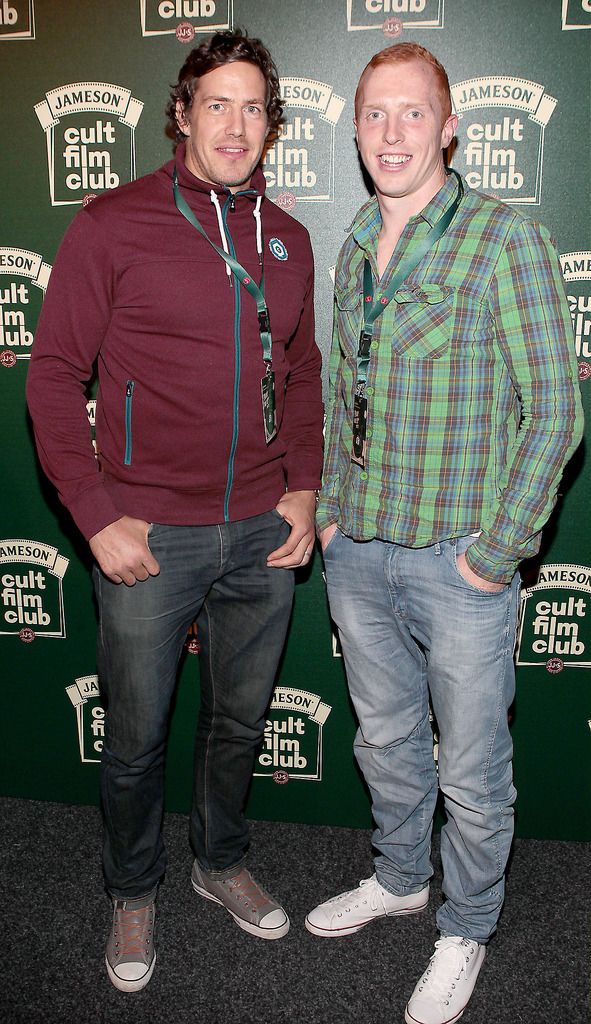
(374, 344)
(369, 391)
(369, 432)
(363, 476)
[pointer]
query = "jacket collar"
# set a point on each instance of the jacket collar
(189, 181)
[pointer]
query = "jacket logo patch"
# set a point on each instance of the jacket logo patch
(278, 249)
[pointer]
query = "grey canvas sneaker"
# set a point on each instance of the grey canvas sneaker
(130, 954)
(251, 907)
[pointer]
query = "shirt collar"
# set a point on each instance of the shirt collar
(367, 223)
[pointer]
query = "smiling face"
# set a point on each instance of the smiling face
(226, 125)
(401, 132)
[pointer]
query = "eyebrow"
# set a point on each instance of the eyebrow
(228, 99)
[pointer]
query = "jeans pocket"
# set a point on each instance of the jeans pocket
(459, 546)
(330, 544)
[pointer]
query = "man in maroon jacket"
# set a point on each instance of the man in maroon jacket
(193, 293)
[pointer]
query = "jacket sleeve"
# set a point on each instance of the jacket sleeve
(303, 411)
(534, 333)
(72, 324)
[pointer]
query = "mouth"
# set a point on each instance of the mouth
(394, 159)
(232, 151)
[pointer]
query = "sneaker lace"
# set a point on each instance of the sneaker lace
(369, 889)
(244, 887)
(445, 967)
(132, 931)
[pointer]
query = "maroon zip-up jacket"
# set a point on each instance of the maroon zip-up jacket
(179, 422)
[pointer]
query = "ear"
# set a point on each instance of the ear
(355, 127)
(448, 131)
(181, 119)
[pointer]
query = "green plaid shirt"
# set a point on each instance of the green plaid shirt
(473, 399)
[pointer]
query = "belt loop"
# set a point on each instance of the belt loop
(437, 547)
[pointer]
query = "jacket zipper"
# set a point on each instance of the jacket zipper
(128, 404)
(229, 204)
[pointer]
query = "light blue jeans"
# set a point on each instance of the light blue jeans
(411, 627)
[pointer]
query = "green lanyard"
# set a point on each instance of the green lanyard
(374, 308)
(377, 307)
(236, 268)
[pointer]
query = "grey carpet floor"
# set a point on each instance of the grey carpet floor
(54, 917)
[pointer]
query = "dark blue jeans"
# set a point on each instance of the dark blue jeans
(217, 575)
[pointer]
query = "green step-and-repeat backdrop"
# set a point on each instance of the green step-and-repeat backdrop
(84, 86)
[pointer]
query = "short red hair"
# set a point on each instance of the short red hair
(403, 53)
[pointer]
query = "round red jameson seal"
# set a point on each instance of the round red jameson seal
(554, 665)
(392, 27)
(193, 646)
(26, 635)
(286, 200)
(584, 371)
(88, 198)
(8, 359)
(280, 778)
(185, 32)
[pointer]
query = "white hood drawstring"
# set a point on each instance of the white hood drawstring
(225, 247)
(257, 216)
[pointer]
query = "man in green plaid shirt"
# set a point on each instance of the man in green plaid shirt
(453, 409)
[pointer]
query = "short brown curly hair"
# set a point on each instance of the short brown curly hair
(224, 48)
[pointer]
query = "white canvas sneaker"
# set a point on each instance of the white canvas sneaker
(443, 993)
(347, 913)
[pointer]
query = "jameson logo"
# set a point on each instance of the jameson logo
(85, 695)
(17, 19)
(555, 622)
(293, 735)
(20, 304)
(161, 17)
(31, 594)
(576, 269)
(576, 14)
(302, 160)
(85, 152)
(502, 123)
(368, 14)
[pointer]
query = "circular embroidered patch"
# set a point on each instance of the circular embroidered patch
(26, 635)
(8, 359)
(278, 249)
(280, 778)
(584, 370)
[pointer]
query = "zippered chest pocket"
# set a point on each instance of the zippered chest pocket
(129, 389)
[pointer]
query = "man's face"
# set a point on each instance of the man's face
(399, 131)
(226, 126)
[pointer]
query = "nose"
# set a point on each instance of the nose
(235, 125)
(393, 132)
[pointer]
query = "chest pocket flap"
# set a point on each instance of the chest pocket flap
(423, 320)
